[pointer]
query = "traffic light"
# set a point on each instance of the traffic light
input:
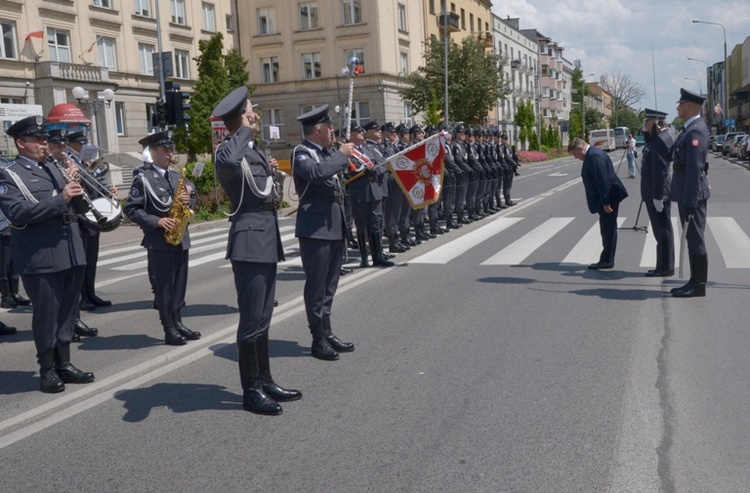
(181, 107)
(170, 90)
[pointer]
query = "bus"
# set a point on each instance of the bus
(621, 137)
(603, 138)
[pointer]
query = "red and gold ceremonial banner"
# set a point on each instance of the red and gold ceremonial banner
(418, 171)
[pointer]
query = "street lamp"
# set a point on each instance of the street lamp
(450, 24)
(708, 89)
(104, 100)
(726, 69)
(700, 87)
(583, 104)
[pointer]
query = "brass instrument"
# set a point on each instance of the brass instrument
(179, 212)
(277, 175)
(82, 204)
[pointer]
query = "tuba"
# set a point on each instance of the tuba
(179, 212)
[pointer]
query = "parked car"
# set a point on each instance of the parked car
(716, 143)
(736, 144)
(742, 149)
(727, 144)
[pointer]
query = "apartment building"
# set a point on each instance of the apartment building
(108, 48)
(553, 83)
(600, 100)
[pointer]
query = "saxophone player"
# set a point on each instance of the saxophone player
(149, 202)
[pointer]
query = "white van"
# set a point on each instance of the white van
(604, 139)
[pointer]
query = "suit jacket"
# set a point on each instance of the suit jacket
(321, 211)
(656, 169)
(689, 152)
(254, 233)
(49, 239)
(602, 185)
(145, 210)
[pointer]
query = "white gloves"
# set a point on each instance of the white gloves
(658, 205)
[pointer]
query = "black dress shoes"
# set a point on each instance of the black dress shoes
(321, 349)
(275, 392)
(694, 290)
(50, 382)
(257, 401)
(601, 266)
(86, 305)
(8, 302)
(173, 338)
(20, 300)
(70, 374)
(339, 345)
(96, 301)
(6, 330)
(659, 273)
(190, 335)
(84, 330)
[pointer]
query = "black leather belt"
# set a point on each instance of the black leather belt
(69, 218)
(266, 206)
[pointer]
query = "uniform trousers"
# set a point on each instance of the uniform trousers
(321, 261)
(368, 217)
(55, 297)
(91, 246)
(168, 270)
(696, 241)
(255, 283)
(661, 226)
(608, 230)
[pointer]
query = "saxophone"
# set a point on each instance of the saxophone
(179, 212)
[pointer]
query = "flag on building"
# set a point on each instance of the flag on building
(717, 109)
(91, 47)
(418, 171)
(36, 33)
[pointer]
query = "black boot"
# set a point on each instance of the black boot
(376, 248)
(394, 246)
(271, 388)
(20, 300)
(689, 285)
(362, 250)
(81, 329)
(65, 369)
(254, 398)
(188, 334)
(171, 336)
(321, 349)
(6, 330)
(699, 275)
(49, 380)
(335, 342)
(7, 300)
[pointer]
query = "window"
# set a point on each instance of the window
(8, 46)
(357, 53)
(209, 17)
(311, 66)
(471, 22)
(463, 19)
(402, 26)
(271, 117)
(230, 23)
(408, 120)
(105, 4)
(269, 69)
(404, 64)
(308, 16)
(432, 6)
(58, 44)
(146, 57)
(105, 48)
(361, 112)
(266, 21)
(181, 64)
(351, 12)
(143, 7)
(120, 118)
(13, 101)
(178, 12)
(150, 117)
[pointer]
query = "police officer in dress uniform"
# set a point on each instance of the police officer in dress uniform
(511, 167)
(57, 141)
(690, 189)
(403, 221)
(656, 177)
(396, 201)
(450, 178)
(5, 257)
(148, 206)
(320, 226)
(254, 248)
(47, 248)
(461, 157)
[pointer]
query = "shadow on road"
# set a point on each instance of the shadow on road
(178, 398)
(276, 349)
(105, 342)
(18, 382)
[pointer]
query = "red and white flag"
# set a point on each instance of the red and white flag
(36, 33)
(717, 109)
(91, 47)
(418, 171)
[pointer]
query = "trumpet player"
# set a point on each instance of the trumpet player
(149, 202)
(47, 249)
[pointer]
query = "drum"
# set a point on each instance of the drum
(110, 209)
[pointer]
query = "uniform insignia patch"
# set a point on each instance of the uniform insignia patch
(302, 157)
(695, 142)
(134, 192)
(3, 189)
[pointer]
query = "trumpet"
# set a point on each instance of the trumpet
(82, 204)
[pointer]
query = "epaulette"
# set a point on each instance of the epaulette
(6, 164)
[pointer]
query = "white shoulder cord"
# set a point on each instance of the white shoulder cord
(149, 193)
(24, 191)
(317, 160)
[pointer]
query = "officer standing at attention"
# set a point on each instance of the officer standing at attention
(254, 248)
(47, 249)
(656, 177)
(320, 225)
(148, 206)
(690, 189)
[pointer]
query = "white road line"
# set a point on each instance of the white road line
(587, 250)
(445, 253)
(142, 251)
(648, 257)
(733, 242)
(193, 250)
(519, 250)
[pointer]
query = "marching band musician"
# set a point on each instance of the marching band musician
(320, 227)
(47, 249)
(56, 141)
(254, 248)
(148, 205)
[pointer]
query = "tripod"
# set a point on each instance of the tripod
(635, 227)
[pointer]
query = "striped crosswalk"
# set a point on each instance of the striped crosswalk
(521, 241)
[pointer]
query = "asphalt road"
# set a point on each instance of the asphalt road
(488, 360)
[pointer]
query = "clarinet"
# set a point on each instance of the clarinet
(82, 204)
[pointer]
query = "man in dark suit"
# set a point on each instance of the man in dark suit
(47, 248)
(656, 177)
(148, 205)
(320, 225)
(691, 191)
(254, 248)
(604, 192)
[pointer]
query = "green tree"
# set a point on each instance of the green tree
(579, 91)
(626, 118)
(475, 80)
(525, 121)
(432, 111)
(678, 123)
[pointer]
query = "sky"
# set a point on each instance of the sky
(616, 36)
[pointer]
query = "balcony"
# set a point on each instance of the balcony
(452, 19)
(72, 72)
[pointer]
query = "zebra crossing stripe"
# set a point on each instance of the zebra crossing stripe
(519, 250)
(733, 243)
(445, 253)
(587, 250)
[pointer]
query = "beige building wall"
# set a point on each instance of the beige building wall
(45, 70)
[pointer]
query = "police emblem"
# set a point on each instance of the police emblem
(3, 189)
(134, 192)
(695, 142)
